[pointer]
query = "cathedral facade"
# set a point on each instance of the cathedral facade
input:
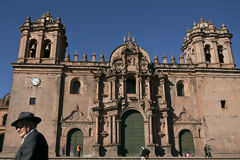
(114, 108)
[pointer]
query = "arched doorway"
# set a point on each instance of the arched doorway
(132, 133)
(74, 137)
(186, 143)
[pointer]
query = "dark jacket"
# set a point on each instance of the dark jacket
(34, 147)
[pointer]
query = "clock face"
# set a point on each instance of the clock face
(35, 81)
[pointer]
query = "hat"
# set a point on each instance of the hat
(26, 116)
(145, 152)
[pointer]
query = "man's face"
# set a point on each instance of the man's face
(22, 128)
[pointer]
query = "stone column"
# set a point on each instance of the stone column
(124, 87)
(198, 48)
(148, 87)
(228, 52)
(164, 99)
(96, 145)
(97, 88)
(114, 129)
(96, 131)
(53, 51)
(137, 85)
(23, 47)
(39, 44)
(113, 88)
(140, 88)
(166, 127)
(214, 52)
(110, 130)
(151, 146)
(150, 129)
(118, 140)
(121, 89)
(110, 89)
(166, 146)
(112, 148)
(146, 129)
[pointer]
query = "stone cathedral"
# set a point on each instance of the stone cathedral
(114, 108)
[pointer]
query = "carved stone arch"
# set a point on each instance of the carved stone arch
(181, 128)
(187, 127)
(136, 109)
(81, 127)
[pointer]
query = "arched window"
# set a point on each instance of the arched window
(4, 120)
(32, 48)
(75, 87)
(131, 85)
(207, 53)
(180, 88)
(46, 49)
(220, 54)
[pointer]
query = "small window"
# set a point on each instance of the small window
(32, 101)
(90, 132)
(223, 104)
(131, 85)
(180, 89)
(75, 87)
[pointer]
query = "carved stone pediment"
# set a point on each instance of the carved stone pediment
(185, 118)
(75, 116)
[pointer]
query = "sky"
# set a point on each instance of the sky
(159, 26)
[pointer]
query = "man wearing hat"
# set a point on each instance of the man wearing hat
(34, 145)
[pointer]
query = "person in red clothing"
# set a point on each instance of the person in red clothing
(78, 150)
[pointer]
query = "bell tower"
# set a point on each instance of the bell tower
(208, 46)
(42, 41)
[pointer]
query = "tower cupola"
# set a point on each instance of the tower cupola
(42, 41)
(206, 45)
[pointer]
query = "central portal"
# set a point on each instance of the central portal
(132, 133)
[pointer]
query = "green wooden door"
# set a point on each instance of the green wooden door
(186, 142)
(132, 133)
(75, 137)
